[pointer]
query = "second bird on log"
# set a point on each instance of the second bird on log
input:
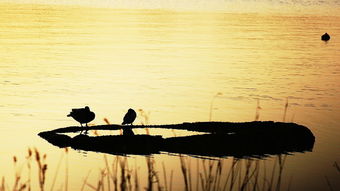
(129, 117)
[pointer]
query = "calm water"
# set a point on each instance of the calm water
(170, 63)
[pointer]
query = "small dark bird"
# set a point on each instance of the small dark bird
(325, 37)
(129, 117)
(82, 115)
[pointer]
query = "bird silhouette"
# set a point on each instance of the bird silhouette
(325, 37)
(82, 115)
(129, 117)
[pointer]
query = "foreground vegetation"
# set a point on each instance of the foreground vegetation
(116, 174)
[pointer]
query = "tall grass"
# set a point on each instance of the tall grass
(240, 174)
(118, 175)
(24, 183)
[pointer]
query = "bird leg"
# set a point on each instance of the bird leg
(86, 129)
(81, 128)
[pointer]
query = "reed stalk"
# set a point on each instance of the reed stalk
(329, 184)
(185, 173)
(108, 172)
(257, 110)
(57, 171)
(336, 166)
(285, 110)
(165, 177)
(212, 104)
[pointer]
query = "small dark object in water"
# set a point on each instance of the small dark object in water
(129, 117)
(325, 37)
(82, 115)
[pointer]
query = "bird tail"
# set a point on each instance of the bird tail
(69, 115)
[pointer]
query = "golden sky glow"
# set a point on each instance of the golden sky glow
(303, 6)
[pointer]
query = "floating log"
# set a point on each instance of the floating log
(221, 139)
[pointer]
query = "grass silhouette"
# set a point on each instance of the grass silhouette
(118, 175)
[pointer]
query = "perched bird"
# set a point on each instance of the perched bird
(325, 37)
(82, 115)
(129, 117)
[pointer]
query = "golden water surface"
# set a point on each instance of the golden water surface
(175, 66)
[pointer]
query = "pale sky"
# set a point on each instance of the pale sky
(214, 5)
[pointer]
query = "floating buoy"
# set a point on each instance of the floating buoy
(325, 37)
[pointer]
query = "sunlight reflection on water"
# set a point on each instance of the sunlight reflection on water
(170, 64)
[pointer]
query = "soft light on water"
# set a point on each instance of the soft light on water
(171, 64)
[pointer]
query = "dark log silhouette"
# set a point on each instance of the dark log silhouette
(248, 139)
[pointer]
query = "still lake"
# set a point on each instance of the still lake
(170, 64)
